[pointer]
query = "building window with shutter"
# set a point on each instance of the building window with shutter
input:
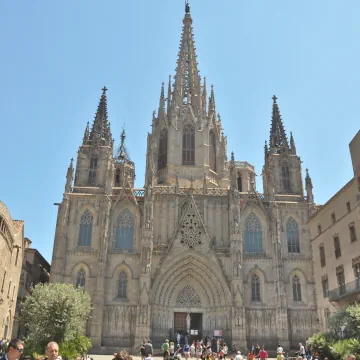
(325, 287)
(322, 256)
(319, 229)
(348, 207)
(333, 218)
(352, 232)
(340, 276)
(337, 247)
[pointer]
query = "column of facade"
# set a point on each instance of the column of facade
(99, 295)
(281, 303)
(59, 252)
(143, 318)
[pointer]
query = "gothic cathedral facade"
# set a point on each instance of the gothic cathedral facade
(198, 239)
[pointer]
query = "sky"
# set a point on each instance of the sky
(57, 55)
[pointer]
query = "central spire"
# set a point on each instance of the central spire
(187, 79)
(278, 139)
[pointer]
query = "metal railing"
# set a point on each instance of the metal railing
(344, 290)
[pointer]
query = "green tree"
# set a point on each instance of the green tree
(342, 337)
(54, 312)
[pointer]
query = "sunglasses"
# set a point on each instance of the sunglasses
(20, 349)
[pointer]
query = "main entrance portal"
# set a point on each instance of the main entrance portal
(189, 325)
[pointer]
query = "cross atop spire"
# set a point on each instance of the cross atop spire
(278, 139)
(187, 7)
(187, 88)
(100, 130)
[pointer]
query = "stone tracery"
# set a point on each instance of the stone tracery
(188, 298)
(190, 229)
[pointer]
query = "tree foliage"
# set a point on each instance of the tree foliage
(343, 336)
(54, 312)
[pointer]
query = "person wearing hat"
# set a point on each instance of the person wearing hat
(165, 347)
(238, 356)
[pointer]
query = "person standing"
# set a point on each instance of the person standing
(263, 355)
(165, 347)
(302, 350)
(148, 348)
(238, 356)
(14, 350)
(52, 351)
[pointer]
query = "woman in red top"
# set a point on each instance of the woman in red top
(251, 355)
(263, 354)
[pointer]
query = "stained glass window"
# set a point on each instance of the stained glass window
(122, 285)
(80, 278)
(86, 222)
(212, 150)
(292, 232)
(253, 235)
(188, 145)
(296, 286)
(255, 288)
(162, 158)
(124, 230)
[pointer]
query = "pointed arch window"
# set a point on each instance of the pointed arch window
(255, 288)
(124, 230)
(253, 235)
(80, 278)
(92, 171)
(163, 145)
(188, 145)
(85, 232)
(122, 285)
(292, 233)
(296, 287)
(212, 150)
(286, 177)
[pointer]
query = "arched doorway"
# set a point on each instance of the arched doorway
(191, 284)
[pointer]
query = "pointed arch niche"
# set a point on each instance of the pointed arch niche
(297, 287)
(122, 283)
(212, 150)
(80, 275)
(256, 287)
(188, 145)
(253, 235)
(292, 236)
(163, 148)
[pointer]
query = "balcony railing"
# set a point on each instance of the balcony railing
(345, 290)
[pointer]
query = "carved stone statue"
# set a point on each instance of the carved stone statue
(148, 268)
(188, 319)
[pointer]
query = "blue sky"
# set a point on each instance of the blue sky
(57, 55)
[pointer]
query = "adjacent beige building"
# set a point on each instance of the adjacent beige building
(198, 249)
(335, 232)
(12, 245)
(35, 269)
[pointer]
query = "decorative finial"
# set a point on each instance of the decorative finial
(104, 89)
(274, 98)
(232, 156)
(187, 7)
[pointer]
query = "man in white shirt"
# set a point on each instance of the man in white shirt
(238, 356)
(302, 350)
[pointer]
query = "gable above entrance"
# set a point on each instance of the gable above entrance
(188, 298)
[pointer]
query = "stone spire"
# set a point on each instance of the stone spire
(100, 130)
(212, 106)
(292, 144)
(122, 153)
(168, 100)
(86, 133)
(278, 139)
(309, 187)
(204, 96)
(161, 110)
(187, 80)
(69, 177)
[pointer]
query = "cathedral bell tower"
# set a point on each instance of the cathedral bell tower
(282, 176)
(187, 142)
(94, 159)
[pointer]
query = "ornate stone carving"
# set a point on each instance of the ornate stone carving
(188, 298)
(190, 229)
